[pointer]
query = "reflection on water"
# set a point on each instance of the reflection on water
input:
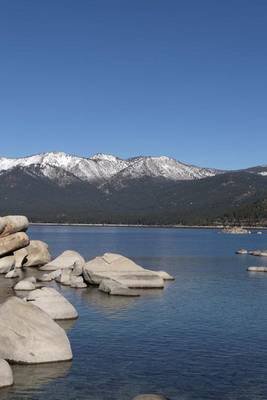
(104, 302)
(29, 378)
(66, 324)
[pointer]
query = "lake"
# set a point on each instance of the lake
(203, 337)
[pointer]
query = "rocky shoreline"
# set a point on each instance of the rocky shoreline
(29, 332)
(249, 227)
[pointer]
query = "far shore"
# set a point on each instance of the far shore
(145, 226)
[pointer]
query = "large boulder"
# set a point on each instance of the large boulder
(13, 242)
(68, 259)
(6, 375)
(29, 335)
(12, 224)
(121, 269)
(6, 264)
(37, 254)
(53, 303)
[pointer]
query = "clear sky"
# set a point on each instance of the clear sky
(183, 78)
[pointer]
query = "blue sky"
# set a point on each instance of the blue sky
(184, 78)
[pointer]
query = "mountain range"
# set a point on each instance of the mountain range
(58, 187)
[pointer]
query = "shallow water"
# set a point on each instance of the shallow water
(203, 337)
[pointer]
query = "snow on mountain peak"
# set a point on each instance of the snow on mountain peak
(104, 157)
(102, 167)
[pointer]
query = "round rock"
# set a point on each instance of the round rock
(29, 335)
(53, 303)
(68, 259)
(12, 224)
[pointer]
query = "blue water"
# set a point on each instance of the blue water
(203, 337)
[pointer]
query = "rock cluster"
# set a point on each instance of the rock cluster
(28, 331)
(66, 269)
(257, 253)
(16, 249)
(236, 230)
(112, 273)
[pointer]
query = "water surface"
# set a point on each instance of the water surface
(203, 337)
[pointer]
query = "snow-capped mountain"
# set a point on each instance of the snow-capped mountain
(102, 168)
(57, 187)
(99, 167)
(164, 167)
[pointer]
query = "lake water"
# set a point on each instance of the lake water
(203, 337)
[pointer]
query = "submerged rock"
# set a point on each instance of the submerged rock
(38, 254)
(257, 269)
(6, 264)
(13, 242)
(12, 224)
(29, 335)
(255, 253)
(139, 280)
(53, 303)
(68, 259)
(116, 289)
(242, 251)
(6, 374)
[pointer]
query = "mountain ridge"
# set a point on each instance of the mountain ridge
(103, 167)
(57, 187)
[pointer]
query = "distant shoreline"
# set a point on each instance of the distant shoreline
(143, 226)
